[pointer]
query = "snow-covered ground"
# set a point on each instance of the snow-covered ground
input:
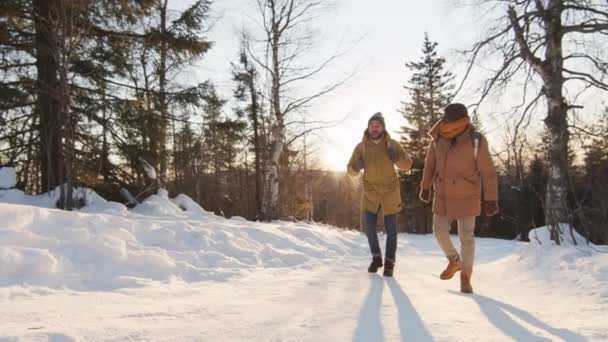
(169, 271)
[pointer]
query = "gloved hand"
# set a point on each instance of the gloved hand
(360, 165)
(392, 153)
(425, 195)
(491, 208)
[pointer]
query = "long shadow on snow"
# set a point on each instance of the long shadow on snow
(496, 311)
(411, 326)
(369, 327)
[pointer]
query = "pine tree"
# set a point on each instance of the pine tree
(164, 46)
(136, 52)
(18, 121)
(245, 75)
(594, 213)
(223, 137)
(476, 121)
(429, 91)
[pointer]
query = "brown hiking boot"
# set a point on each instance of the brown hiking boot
(465, 283)
(375, 265)
(388, 268)
(454, 266)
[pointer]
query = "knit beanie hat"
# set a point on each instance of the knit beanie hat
(455, 111)
(377, 117)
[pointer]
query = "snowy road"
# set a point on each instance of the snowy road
(322, 302)
(169, 271)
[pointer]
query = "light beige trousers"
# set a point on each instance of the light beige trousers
(466, 233)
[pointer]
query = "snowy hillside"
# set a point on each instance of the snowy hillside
(168, 270)
(160, 239)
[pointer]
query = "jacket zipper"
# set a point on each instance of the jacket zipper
(445, 163)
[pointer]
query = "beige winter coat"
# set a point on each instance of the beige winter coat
(456, 177)
(380, 180)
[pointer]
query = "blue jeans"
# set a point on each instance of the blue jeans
(390, 227)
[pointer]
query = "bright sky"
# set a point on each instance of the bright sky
(380, 37)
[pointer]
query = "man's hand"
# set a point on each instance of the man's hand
(425, 195)
(392, 153)
(491, 208)
(360, 165)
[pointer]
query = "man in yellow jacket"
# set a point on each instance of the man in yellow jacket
(377, 155)
(457, 164)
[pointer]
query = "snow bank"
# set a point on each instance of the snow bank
(105, 246)
(93, 202)
(50, 337)
(159, 204)
(24, 261)
(8, 178)
(577, 265)
(568, 237)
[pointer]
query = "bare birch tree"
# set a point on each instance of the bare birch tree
(555, 42)
(288, 40)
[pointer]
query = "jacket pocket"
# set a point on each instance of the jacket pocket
(472, 180)
(467, 186)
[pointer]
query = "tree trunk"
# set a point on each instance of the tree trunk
(162, 97)
(47, 104)
(178, 175)
(272, 181)
(105, 146)
(270, 205)
(556, 208)
(307, 188)
(256, 143)
(66, 200)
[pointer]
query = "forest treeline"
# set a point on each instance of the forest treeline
(95, 94)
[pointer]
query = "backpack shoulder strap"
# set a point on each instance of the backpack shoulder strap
(475, 140)
(363, 150)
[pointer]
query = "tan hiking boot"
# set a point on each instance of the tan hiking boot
(465, 283)
(454, 266)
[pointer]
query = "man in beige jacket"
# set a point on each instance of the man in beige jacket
(377, 155)
(458, 166)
